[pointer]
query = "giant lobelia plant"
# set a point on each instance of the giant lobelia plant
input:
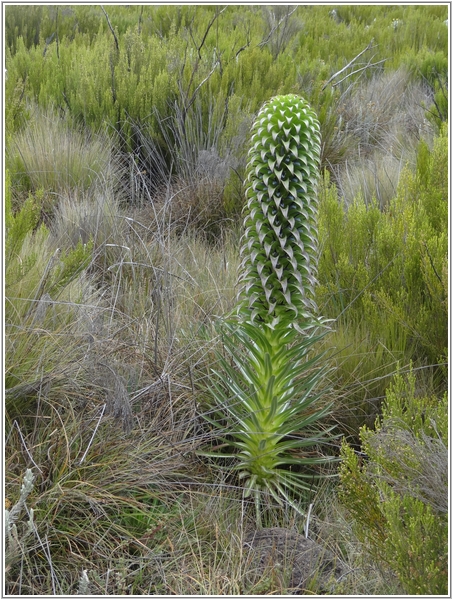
(266, 389)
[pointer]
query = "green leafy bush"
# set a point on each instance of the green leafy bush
(74, 59)
(387, 268)
(396, 488)
(383, 277)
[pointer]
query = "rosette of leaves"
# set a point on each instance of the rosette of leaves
(279, 249)
(268, 404)
(267, 394)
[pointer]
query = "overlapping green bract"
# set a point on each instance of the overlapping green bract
(279, 252)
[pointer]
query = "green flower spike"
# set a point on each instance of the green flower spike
(266, 388)
(279, 249)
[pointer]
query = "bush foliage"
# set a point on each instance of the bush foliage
(86, 61)
(388, 267)
(396, 488)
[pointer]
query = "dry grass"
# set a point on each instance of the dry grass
(419, 465)
(373, 179)
(374, 133)
(52, 155)
(97, 488)
(386, 113)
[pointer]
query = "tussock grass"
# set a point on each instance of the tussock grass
(373, 179)
(372, 131)
(97, 487)
(45, 318)
(205, 287)
(385, 108)
(84, 216)
(52, 155)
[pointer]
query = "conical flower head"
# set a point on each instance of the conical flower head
(279, 247)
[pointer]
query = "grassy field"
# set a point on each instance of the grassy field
(127, 131)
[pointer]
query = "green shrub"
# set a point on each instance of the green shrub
(170, 56)
(16, 112)
(396, 488)
(387, 268)
(383, 276)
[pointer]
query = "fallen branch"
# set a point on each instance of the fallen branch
(272, 31)
(369, 47)
(358, 71)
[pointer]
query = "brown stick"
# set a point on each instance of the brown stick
(349, 64)
(111, 29)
